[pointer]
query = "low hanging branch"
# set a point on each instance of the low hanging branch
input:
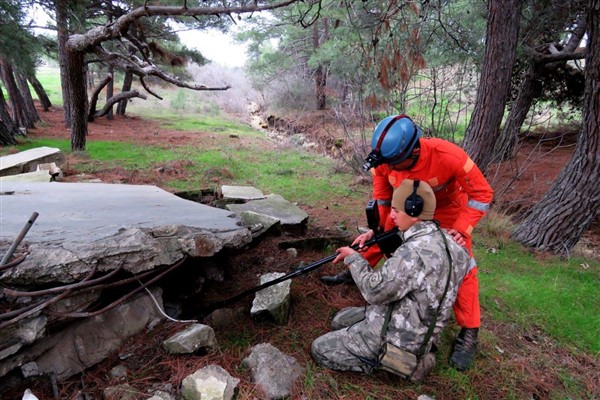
(115, 99)
(553, 56)
(145, 86)
(142, 69)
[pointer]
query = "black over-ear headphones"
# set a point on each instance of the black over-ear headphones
(413, 205)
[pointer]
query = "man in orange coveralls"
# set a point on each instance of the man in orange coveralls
(463, 196)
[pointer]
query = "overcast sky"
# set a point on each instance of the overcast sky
(214, 45)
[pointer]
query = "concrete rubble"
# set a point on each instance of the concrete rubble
(191, 339)
(292, 218)
(273, 371)
(273, 301)
(211, 382)
(28, 160)
(88, 232)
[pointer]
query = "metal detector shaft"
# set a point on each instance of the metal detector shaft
(297, 272)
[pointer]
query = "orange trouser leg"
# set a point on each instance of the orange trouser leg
(466, 306)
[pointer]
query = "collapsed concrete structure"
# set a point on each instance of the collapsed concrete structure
(55, 314)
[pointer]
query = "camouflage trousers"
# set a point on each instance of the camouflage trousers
(350, 346)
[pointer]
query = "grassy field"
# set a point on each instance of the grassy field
(557, 298)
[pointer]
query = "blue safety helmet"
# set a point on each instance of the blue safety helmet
(393, 140)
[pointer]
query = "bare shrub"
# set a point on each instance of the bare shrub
(234, 100)
(287, 92)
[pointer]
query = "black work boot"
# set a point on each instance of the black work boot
(464, 349)
(343, 277)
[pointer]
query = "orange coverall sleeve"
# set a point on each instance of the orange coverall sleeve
(479, 192)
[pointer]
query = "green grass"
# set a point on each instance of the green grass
(110, 154)
(273, 171)
(212, 124)
(296, 175)
(50, 80)
(561, 297)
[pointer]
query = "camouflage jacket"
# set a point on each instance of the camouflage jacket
(413, 279)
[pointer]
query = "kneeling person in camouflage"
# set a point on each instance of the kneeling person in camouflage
(409, 298)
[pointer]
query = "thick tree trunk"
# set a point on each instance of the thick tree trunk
(557, 222)
(494, 84)
(8, 128)
(63, 36)
(32, 114)
(127, 81)
(6, 138)
(17, 103)
(506, 144)
(79, 101)
(41, 93)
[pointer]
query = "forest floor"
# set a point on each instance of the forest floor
(538, 365)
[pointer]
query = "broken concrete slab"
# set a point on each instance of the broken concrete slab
(53, 170)
(37, 176)
(82, 225)
(293, 219)
(26, 161)
(260, 224)
(245, 193)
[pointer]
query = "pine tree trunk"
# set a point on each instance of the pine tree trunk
(6, 138)
(110, 90)
(506, 144)
(321, 70)
(557, 222)
(320, 83)
(8, 129)
(127, 81)
(79, 100)
(63, 36)
(505, 148)
(17, 104)
(494, 84)
(41, 93)
(32, 113)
